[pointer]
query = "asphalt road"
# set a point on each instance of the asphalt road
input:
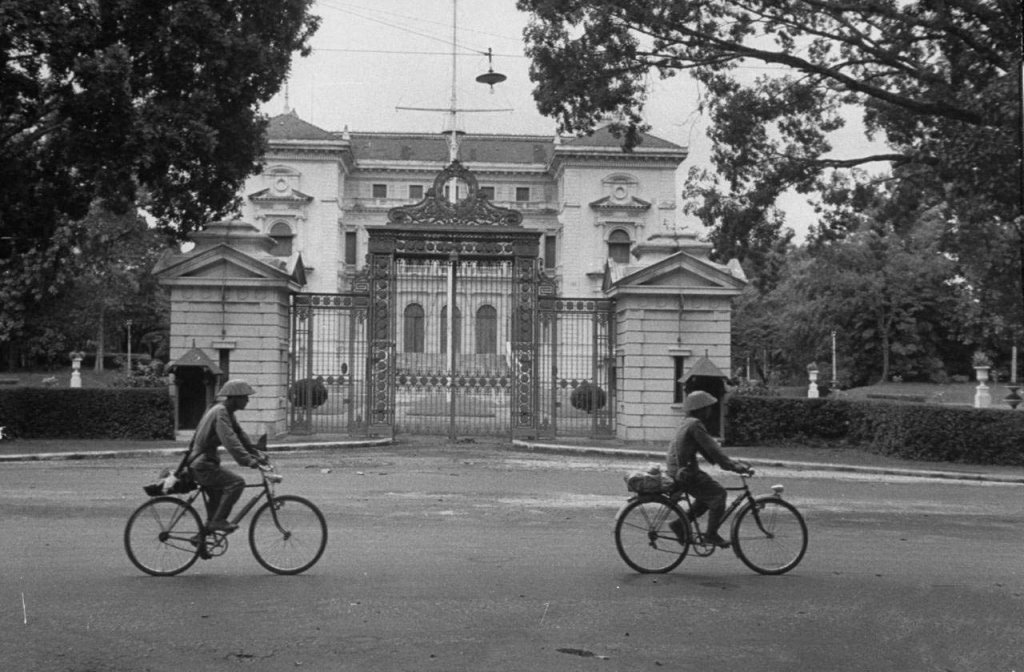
(464, 559)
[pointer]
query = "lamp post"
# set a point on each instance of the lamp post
(129, 324)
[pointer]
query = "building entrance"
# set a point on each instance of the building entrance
(453, 329)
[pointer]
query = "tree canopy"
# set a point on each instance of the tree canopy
(129, 102)
(937, 82)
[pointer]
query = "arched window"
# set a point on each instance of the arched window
(413, 327)
(486, 330)
(282, 235)
(444, 330)
(618, 246)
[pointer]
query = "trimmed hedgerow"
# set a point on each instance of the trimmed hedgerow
(911, 431)
(89, 413)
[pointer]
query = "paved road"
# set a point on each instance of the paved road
(463, 559)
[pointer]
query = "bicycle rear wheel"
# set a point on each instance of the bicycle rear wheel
(644, 539)
(288, 534)
(769, 536)
(162, 536)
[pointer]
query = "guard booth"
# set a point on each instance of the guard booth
(196, 379)
(704, 376)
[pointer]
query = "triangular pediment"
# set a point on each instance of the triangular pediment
(630, 203)
(680, 273)
(224, 262)
(280, 196)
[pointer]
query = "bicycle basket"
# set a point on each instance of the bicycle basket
(648, 482)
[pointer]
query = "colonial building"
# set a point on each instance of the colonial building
(628, 304)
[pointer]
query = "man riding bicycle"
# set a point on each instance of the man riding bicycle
(691, 439)
(218, 427)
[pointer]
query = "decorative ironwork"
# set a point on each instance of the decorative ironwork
(520, 351)
(437, 211)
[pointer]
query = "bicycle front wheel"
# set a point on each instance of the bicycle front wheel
(288, 534)
(769, 536)
(162, 536)
(644, 539)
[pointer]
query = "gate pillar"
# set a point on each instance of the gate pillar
(230, 297)
(380, 396)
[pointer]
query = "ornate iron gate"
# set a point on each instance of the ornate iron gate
(327, 386)
(456, 331)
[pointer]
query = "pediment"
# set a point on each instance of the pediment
(225, 263)
(628, 203)
(681, 272)
(274, 195)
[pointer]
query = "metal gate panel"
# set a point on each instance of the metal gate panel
(471, 395)
(328, 353)
(576, 367)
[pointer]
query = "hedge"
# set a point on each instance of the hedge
(910, 431)
(88, 413)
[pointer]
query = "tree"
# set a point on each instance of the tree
(113, 282)
(128, 102)
(938, 82)
(896, 301)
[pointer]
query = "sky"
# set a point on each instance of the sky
(372, 58)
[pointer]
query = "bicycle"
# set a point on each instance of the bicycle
(767, 534)
(287, 534)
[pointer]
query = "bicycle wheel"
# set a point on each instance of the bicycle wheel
(161, 537)
(288, 534)
(769, 536)
(644, 539)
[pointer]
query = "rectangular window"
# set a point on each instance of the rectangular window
(416, 192)
(380, 191)
(350, 248)
(487, 192)
(678, 389)
(550, 244)
(448, 191)
(522, 194)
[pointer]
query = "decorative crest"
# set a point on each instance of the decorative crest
(437, 211)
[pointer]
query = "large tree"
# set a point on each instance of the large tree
(128, 101)
(938, 82)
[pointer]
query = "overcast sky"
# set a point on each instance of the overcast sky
(372, 57)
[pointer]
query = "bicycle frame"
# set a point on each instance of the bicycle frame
(267, 491)
(747, 498)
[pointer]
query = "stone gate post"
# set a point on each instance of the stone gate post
(230, 298)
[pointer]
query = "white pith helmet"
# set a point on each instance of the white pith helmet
(698, 399)
(235, 388)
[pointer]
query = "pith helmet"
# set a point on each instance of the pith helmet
(699, 399)
(235, 388)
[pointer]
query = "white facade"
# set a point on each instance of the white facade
(607, 222)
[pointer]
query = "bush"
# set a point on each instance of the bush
(308, 392)
(81, 413)
(910, 431)
(587, 397)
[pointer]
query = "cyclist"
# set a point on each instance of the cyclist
(691, 439)
(218, 427)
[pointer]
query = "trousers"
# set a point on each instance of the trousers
(708, 497)
(223, 488)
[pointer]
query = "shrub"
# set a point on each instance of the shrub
(911, 431)
(308, 392)
(587, 397)
(85, 413)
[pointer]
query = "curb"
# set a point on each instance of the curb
(799, 466)
(535, 447)
(174, 452)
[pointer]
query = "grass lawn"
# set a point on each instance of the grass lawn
(60, 377)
